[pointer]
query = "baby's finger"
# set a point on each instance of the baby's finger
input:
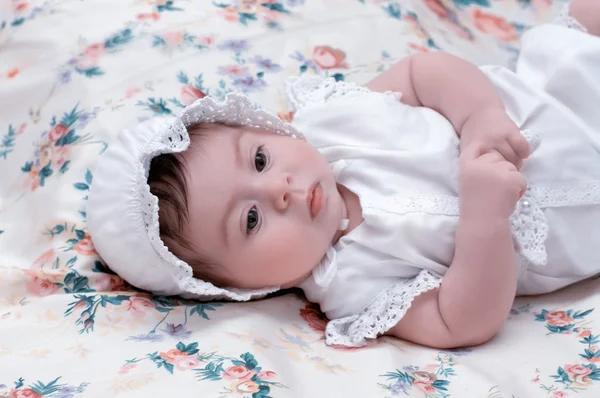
(521, 183)
(510, 155)
(493, 156)
(471, 152)
(520, 145)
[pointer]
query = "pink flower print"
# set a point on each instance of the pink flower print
(559, 394)
(584, 333)
(238, 373)
(437, 7)
(138, 306)
(25, 393)
(95, 50)
(189, 94)
(229, 14)
(46, 258)
(426, 377)
(81, 304)
(424, 387)
(57, 132)
(110, 283)
(315, 319)
(126, 368)
(47, 153)
(270, 15)
(328, 57)
(248, 387)
(20, 6)
(87, 62)
(21, 129)
(172, 355)
(205, 40)
(85, 246)
(267, 375)
(40, 286)
(558, 318)
(248, 6)
(541, 5)
(186, 362)
(63, 152)
(233, 70)
(495, 26)
(286, 117)
(154, 16)
(132, 91)
(12, 73)
(417, 47)
(578, 374)
(174, 38)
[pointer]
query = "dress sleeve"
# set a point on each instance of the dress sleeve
(384, 312)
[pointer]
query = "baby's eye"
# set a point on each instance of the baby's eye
(252, 220)
(260, 159)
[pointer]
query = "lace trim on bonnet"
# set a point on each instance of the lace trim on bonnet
(235, 110)
(118, 199)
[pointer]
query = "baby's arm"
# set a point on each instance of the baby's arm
(460, 92)
(477, 292)
(450, 85)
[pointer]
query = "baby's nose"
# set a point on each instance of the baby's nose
(280, 191)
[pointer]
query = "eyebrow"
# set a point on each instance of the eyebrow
(237, 146)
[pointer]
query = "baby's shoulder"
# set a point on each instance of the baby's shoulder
(335, 113)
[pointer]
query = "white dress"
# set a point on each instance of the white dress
(402, 162)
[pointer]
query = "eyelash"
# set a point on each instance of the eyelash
(248, 229)
(261, 150)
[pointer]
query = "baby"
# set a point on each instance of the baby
(415, 207)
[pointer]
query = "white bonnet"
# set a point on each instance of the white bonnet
(123, 214)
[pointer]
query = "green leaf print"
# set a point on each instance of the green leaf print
(210, 372)
(201, 308)
(27, 167)
(275, 7)
(118, 39)
(65, 167)
(249, 360)
(8, 142)
(263, 392)
(47, 389)
(68, 139)
(182, 78)
(90, 72)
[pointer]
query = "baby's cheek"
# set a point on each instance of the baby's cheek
(290, 255)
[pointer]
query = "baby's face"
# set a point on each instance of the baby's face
(250, 207)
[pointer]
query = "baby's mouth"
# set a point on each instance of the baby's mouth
(315, 199)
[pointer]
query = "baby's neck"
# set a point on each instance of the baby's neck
(352, 211)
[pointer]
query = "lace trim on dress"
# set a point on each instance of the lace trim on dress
(565, 19)
(384, 312)
(311, 89)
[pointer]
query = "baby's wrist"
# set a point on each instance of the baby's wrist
(481, 222)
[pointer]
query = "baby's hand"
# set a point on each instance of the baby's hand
(489, 185)
(492, 130)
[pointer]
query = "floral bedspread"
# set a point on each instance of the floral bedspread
(74, 73)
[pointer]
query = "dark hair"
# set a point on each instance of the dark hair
(167, 180)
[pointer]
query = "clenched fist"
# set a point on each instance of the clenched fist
(492, 130)
(489, 185)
